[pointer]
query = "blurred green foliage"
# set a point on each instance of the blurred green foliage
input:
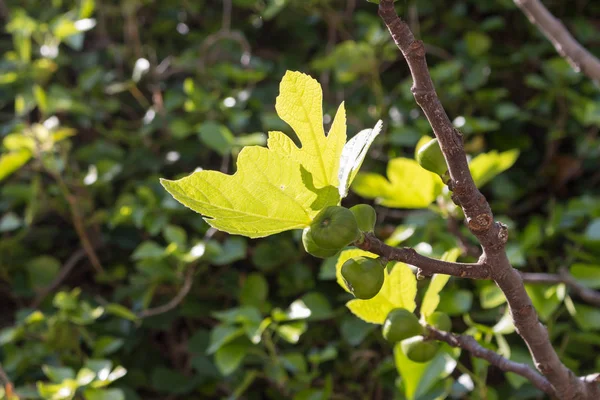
(112, 290)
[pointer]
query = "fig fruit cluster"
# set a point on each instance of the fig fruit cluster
(402, 326)
(335, 227)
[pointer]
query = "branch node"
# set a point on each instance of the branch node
(480, 223)
(502, 233)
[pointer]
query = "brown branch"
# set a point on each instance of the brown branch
(78, 223)
(6, 382)
(585, 293)
(554, 30)
(469, 343)
(174, 302)
(64, 272)
(76, 218)
(491, 235)
(428, 266)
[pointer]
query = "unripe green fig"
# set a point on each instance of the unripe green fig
(334, 228)
(431, 158)
(401, 324)
(366, 216)
(314, 250)
(440, 320)
(419, 350)
(363, 276)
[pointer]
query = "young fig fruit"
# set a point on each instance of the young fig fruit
(419, 350)
(401, 324)
(365, 217)
(440, 320)
(363, 276)
(311, 247)
(334, 228)
(431, 158)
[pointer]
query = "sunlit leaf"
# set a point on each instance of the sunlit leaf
(486, 166)
(438, 281)
(300, 105)
(407, 185)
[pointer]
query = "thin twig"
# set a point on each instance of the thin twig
(226, 24)
(469, 343)
(6, 382)
(4, 12)
(174, 302)
(589, 295)
(428, 266)
(64, 272)
(78, 221)
(480, 220)
(555, 31)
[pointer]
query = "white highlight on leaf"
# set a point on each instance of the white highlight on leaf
(353, 154)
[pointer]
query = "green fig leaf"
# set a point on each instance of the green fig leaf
(265, 196)
(300, 105)
(278, 188)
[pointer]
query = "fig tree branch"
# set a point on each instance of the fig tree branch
(554, 30)
(188, 280)
(469, 343)
(491, 235)
(429, 266)
(589, 295)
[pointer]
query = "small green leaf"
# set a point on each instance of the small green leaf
(216, 136)
(255, 290)
(42, 271)
(292, 331)
(592, 232)
(477, 43)
(432, 297)
(486, 166)
(58, 374)
(418, 378)
(587, 274)
(588, 318)
(409, 185)
(455, 302)
(355, 330)
(229, 357)
(221, 335)
(106, 345)
(233, 249)
(318, 305)
(148, 249)
(10, 162)
(175, 234)
(491, 297)
(120, 311)
(104, 394)
(544, 299)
